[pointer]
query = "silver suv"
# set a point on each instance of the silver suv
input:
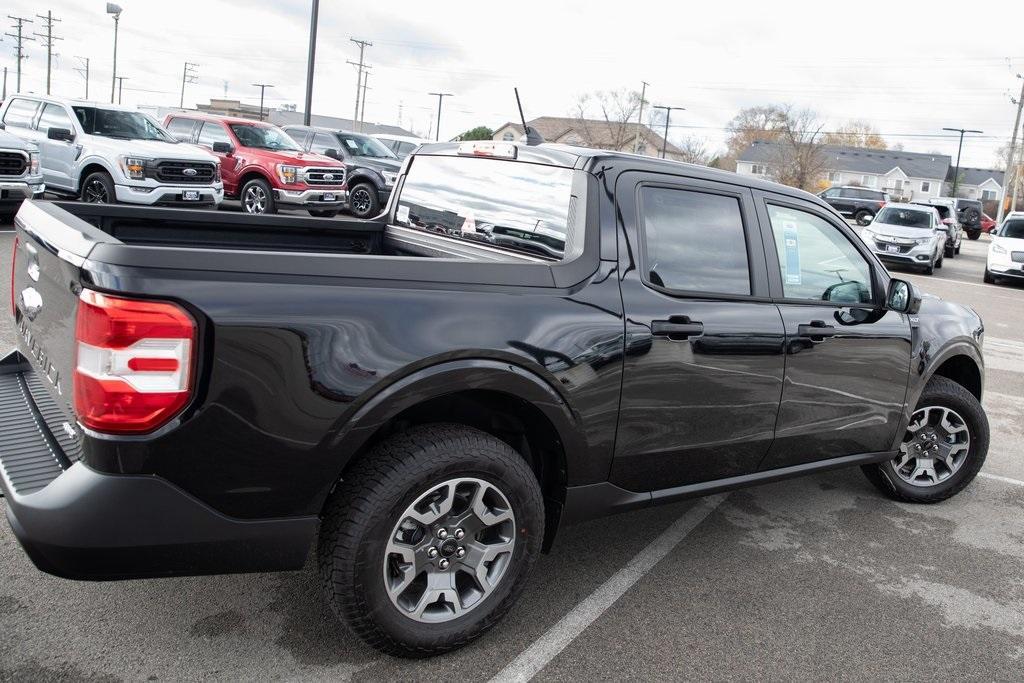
(105, 154)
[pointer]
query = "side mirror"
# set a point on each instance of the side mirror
(947, 221)
(182, 137)
(332, 153)
(902, 297)
(60, 134)
(223, 148)
(848, 292)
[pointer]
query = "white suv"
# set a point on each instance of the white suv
(1006, 251)
(105, 154)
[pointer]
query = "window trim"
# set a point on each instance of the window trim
(879, 283)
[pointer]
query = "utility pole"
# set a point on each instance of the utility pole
(956, 173)
(1016, 181)
(362, 104)
(263, 88)
(1011, 168)
(19, 49)
(114, 11)
(120, 85)
(84, 72)
(188, 75)
(5, 82)
(49, 38)
(640, 116)
(440, 98)
(668, 115)
(363, 44)
(310, 61)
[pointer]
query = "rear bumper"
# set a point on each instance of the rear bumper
(312, 198)
(77, 523)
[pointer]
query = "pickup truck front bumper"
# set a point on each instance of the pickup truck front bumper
(312, 199)
(14, 191)
(77, 523)
(169, 195)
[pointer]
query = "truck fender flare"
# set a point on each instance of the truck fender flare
(454, 376)
(90, 160)
(361, 176)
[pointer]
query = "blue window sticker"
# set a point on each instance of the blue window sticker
(791, 241)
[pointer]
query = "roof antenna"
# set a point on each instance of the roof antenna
(533, 138)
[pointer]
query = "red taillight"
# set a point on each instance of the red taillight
(14, 259)
(134, 362)
(881, 204)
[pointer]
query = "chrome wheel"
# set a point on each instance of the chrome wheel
(449, 550)
(96, 192)
(255, 200)
(361, 201)
(934, 448)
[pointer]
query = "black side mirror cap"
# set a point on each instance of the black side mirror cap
(332, 153)
(60, 134)
(223, 148)
(902, 297)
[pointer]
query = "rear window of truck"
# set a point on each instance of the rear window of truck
(510, 204)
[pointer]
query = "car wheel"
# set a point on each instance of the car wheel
(863, 217)
(257, 197)
(930, 268)
(428, 539)
(973, 234)
(363, 202)
(942, 450)
(988, 277)
(317, 213)
(938, 264)
(98, 188)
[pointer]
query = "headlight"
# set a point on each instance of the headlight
(216, 172)
(389, 178)
(134, 168)
(924, 240)
(997, 249)
(288, 174)
(33, 163)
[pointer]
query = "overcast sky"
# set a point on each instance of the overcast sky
(905, 67)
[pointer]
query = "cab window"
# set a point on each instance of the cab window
(816, 260)
(54, 116)
(181, 128)
(212, 132)
(20, 113)
(321, 143)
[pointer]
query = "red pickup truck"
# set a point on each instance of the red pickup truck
(262, 166)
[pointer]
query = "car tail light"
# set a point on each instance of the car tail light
(134, 362)
(881, 204)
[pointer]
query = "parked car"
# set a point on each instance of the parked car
(950, 223)
(428, 410)
(372, 167)
(401, 145)
(20, 177)
(968, 213)
(102, 153)
(907, 234)
(263, 167)
(859, 203)
(1006, 251)
(988, 223)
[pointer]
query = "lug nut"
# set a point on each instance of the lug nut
(443, 564)
(459, 533)
(461, 552)
(432, 553)
(442, 533)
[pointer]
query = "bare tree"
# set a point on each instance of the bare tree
(750, 125)
(606, 119)
(693, 151)
(797, 158)
(856, 133)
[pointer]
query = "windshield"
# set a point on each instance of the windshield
(263, 137)
(510, 204)
(114, 123)
(907, 218)
(1013, 229)
(365, 146)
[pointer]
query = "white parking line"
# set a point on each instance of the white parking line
(534, 658)
(999, 477)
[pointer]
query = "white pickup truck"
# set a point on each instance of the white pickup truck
(103, 153)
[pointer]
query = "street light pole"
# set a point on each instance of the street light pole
(263, 87)
(114, 10)
(310, 60)
(120, 85)
(668, 116)
(440, 98)
(956, 172)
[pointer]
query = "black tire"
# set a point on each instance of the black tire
(863, 217)
(98, 188)
(325, 213)
(257, 198)
(988, 277)
(938, 264)
(930, 268)
(940, 391)
(973, 234)
(958, 244)
(363, 201)
(949, 250)
(362, 512)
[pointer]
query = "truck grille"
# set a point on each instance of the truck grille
(318, 176)
(881, 246)
(12, 163)
(182, 172)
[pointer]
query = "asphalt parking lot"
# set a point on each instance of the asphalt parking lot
(814, 578)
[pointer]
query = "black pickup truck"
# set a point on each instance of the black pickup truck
(528, 337)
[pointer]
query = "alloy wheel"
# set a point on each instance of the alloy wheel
(934, 447)
(96, 193)
(449, 550)
(361, 201)
(255, 200)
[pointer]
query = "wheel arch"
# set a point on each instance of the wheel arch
(251, 173)
(962, 369)
(91, 166)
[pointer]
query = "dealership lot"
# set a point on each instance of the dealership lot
(810, 578)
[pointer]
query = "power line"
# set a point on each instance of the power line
(188, 75)
(19, 49)
(363, 44)
(48, 18)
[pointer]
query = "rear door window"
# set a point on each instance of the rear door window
(212, 132)
(180, 127)
(54, 116)
(323, 142)
(20, 113)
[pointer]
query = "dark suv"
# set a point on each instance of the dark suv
(372, 167)
(969, 213)
(859, 203)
